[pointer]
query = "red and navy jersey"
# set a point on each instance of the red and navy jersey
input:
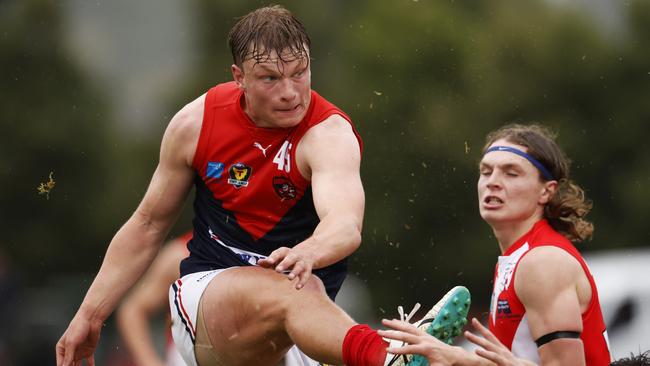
(250, 197)
(508, 319)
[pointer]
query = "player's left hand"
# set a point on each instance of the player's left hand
(297, 261)
(493, 350)
(418, 342)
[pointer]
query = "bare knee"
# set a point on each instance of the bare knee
(264, 291)
(280, 294)
(315, 284)
(260, 293)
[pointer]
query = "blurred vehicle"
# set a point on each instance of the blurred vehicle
(623, 280)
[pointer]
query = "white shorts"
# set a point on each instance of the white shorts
(184, 297)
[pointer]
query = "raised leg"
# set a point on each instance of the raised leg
(254, 315)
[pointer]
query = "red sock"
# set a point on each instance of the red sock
(362, 346)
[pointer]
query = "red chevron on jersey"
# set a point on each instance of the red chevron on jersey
(508, 319)
(260, 181)
(250, 197)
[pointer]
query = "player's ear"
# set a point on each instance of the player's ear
(548, 192)
(238, 75)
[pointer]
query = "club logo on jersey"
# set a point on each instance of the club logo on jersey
(284, 188)
(239, 175)
(214, 169)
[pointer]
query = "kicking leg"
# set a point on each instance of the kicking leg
(253, 316)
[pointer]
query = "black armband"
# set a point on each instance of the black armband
(556, 335)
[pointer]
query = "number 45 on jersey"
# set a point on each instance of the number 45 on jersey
(283, 157)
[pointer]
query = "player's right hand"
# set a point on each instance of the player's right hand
(297, 261)
(78, 343)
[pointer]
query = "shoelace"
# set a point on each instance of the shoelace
(400, 310)
(405, 318)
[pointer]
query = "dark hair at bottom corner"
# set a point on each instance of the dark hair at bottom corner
(642, 359)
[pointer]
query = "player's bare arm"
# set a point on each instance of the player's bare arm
(330, 156)
(147, 298)
(138, 240)
(555, 291)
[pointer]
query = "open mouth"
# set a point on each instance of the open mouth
(493, 200)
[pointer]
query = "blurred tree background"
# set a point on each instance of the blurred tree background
(423, 80)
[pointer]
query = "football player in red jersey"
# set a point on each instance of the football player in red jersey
(545, 307)
(279, 207)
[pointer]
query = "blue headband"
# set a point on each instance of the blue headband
(528, 157)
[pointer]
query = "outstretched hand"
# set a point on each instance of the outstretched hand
(418, 342)
(492, 349)
(298, 262)
(78, 343)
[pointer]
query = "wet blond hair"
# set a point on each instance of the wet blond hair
(273, 28)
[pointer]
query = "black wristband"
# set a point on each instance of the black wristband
(555, 335)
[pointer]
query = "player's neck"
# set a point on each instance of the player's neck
(508, 234)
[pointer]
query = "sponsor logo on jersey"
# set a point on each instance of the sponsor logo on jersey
(249, 257)
(262, 148)
(284, 188)
(239, 175)
(503, 307)
(214, 169)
